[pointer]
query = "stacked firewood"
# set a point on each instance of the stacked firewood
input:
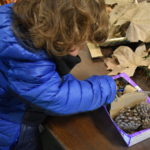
(132, 119)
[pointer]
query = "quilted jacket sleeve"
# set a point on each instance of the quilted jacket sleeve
(39, 84)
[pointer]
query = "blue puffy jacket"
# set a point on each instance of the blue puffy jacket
(33, 76)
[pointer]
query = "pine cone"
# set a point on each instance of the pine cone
(143, 109)
(133, 118)
(146, 123)
(128, 120)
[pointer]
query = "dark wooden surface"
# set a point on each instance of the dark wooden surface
(92, 130)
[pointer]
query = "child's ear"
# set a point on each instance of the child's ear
(74, 52)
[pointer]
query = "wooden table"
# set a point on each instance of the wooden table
(92, 130)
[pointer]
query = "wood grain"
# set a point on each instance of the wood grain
(94, 50)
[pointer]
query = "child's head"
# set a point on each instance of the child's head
(59, 25)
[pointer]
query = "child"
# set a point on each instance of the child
(39, 43)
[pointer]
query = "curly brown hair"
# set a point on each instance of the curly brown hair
(58, 25)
